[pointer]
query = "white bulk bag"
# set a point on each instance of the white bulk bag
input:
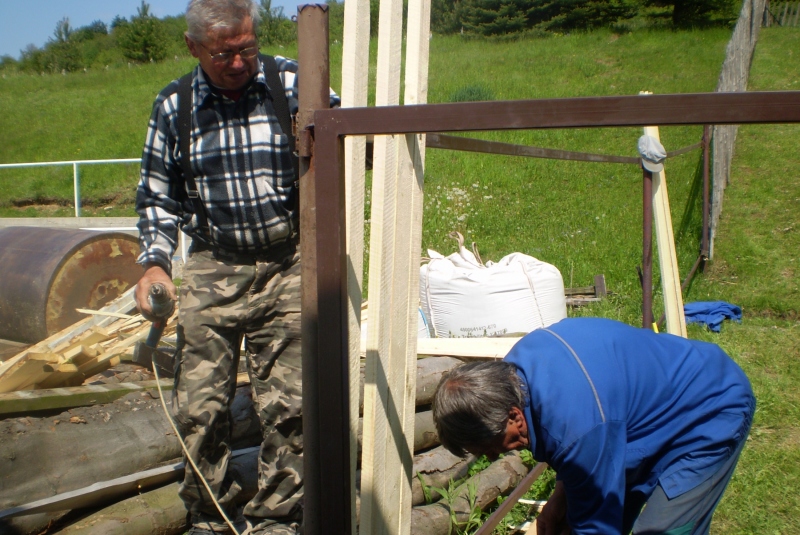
(462, 297)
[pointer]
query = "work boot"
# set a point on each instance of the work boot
(275, 529)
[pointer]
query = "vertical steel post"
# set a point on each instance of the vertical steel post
(647, 250)
(76, 185)
(326, 434)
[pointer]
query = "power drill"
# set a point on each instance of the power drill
(162, 306)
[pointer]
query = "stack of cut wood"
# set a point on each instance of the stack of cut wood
(102, 468)
(104, 459)
(79, 352)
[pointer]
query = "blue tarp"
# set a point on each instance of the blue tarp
(711, 313)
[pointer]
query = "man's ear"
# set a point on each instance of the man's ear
(192, 46)
(517, 418)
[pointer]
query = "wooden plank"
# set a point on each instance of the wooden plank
(60, 375)
(667, 256)
(105, 360)
(30, 402)
(380, 510)
(81, 352)
(355, 85)
(104, 313)
(408, 242)
(27, 371)
(123, 303)
(488, 348)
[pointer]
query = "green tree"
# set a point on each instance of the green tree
(62, 32)
(62, 53)
(32, 59)
(689, 13)
(493, 17)
(565, 15)
(444, 18)
(275, 27)
(86, 33)
(144, 38)
(7, 62)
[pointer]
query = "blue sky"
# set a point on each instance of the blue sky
(23, 22)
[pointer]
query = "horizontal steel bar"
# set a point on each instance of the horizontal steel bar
(638, 110)
(69, 162)
(508, 504)
(442, 141)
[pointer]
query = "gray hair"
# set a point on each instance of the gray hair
(472, 402)
(203, 16)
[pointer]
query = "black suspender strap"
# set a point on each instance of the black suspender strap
(280, 103)
(185, 140)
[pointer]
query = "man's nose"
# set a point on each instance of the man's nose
(236, 61)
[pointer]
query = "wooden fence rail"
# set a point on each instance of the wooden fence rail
(782, 14)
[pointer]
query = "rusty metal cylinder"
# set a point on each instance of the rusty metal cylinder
(46, 273)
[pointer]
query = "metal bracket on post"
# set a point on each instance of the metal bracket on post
(305, 142)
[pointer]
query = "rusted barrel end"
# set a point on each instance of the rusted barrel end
(46, 273)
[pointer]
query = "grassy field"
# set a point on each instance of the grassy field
(583, 218)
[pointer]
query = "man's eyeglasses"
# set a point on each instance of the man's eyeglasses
(225, 57)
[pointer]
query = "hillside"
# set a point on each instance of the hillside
(583, 218)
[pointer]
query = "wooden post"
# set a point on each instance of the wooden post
(396, 229)
(667, 258)
(384, 444)
(355, 83)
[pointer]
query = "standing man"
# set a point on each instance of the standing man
(234, 192)
(625, 417)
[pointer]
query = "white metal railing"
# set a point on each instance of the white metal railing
(75, 173)
(77, 188)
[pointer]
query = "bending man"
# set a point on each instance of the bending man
(625, 417)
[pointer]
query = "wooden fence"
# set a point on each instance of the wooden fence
(733, 78)
(782, 14)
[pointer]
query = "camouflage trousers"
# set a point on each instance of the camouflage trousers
(222, 299)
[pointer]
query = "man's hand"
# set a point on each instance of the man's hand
(152, 274)
(553, 518)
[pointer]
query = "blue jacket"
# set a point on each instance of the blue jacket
(615, 409)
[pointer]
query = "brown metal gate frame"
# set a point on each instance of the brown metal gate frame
(328, 131)
(325, 330)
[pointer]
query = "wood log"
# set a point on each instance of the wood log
(435, 469)
(429, 373)
(41, 457)
(159, 511)
(162, 512)
(498, 479)
(101, 442)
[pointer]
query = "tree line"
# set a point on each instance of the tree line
(511, 17)
(142, 38)
(146, 38)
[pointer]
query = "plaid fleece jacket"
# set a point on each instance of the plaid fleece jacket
(241, 164)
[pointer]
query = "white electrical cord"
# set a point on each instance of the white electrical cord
(189, 457)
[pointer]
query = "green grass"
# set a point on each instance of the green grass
(756, 265)
(583, 218)
(570, 214)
